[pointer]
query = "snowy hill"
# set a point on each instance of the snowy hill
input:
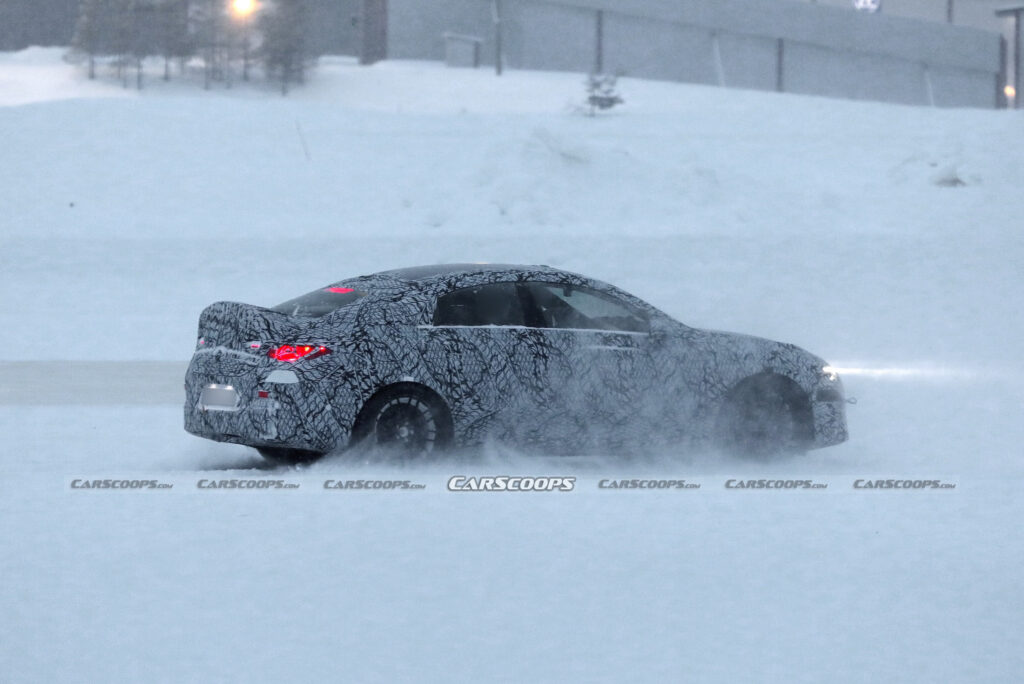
(886, 239)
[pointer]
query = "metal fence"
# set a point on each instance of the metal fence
(786, 46)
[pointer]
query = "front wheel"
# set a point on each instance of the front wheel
(406, 420)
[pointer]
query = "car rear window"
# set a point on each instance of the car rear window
(320, 302)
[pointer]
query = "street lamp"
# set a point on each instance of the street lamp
(243, 11)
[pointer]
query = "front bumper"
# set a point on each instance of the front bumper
(828, 409)
(829, 423)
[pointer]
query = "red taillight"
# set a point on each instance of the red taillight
(291, 353)
(339, 290)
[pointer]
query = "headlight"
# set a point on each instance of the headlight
(830, 373)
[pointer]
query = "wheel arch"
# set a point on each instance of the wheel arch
(404, 386)
(795, 396)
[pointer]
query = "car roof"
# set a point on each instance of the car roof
(419, 273)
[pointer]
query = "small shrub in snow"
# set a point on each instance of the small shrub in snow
(601, 93)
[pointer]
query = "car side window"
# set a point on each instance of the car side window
(495, 304)
(568, 306)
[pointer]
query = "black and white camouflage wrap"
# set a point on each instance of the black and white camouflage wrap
(557, 389)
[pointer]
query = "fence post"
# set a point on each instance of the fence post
(780, 83)
(599, 43)
(1017, 63)
(716, 56)
(1001, 102)
(1015, 12)
(496, 15)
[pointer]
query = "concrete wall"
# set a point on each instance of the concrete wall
(334, 26)
(416, 28)
(826, 50)
(549, 36)
(975, 13)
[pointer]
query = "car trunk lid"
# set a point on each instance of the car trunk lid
(246, 327)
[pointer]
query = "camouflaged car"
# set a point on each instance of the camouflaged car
(422, 358)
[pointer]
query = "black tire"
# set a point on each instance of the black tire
(763, 417)
(408, 421)
(283, 456)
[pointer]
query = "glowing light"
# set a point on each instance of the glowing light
(901, 372)
(867, 5)
(339, 290)
(243, 8)
(1010, 92)
(290, 353)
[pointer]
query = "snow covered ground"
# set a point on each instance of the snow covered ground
(886, 239)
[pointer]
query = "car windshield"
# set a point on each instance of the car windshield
(320, 302)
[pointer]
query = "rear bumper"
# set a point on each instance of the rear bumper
(292, 415)
(263, 422)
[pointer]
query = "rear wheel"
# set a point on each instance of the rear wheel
(765, 416)
(285, 456)
(404, 420)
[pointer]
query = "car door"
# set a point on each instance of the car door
(607, 384)
(485, 360)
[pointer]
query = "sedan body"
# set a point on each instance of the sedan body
(453, 355)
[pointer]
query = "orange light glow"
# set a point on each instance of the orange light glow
(243, 8)
(1010, 92)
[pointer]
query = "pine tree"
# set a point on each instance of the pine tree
(207, 20)
(601, 93)
(284, 50)
(88, 31)
(172, 33)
